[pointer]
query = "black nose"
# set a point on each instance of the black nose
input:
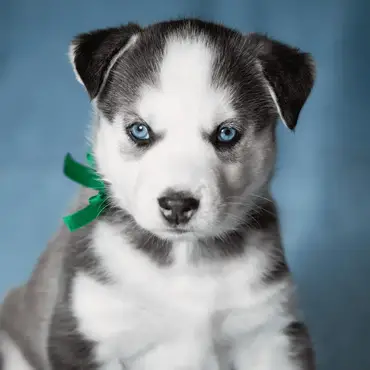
(178, 207)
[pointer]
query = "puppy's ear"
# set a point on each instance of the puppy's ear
(289, 74)
(92, 54)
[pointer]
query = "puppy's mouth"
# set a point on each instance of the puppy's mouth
(177, 233)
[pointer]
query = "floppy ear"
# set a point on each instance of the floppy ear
(93, 54)
(290, 75)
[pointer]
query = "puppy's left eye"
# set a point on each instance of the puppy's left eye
(226, 134)
(225, 137)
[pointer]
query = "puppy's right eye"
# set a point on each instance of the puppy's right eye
(140, 133)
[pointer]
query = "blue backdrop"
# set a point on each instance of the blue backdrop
(323, 172)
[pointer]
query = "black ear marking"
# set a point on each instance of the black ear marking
(290, 74)
(91, 53)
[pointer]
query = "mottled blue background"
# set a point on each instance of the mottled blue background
(324, 168)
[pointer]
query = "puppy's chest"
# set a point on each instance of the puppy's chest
(146, 305)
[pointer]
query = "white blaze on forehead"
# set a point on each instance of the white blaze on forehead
(184, 95)
(188, 63)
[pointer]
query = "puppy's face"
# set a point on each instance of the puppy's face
(186, 113)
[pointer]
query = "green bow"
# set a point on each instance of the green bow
(87, 177)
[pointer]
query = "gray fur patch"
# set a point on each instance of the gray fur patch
(301, 345)
(67, 347)
(158, 250)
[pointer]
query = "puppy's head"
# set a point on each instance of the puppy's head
(185, 119)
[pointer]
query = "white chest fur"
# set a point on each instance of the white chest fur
(174, 315)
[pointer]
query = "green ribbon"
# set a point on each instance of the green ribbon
(87, 177)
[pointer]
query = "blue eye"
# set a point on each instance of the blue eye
(227, 134)
(139, 131)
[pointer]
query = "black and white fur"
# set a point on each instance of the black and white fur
(130, 291)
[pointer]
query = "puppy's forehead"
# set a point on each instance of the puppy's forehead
(185, 93)
(183, 76)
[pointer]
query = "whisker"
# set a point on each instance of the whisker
(262, 209)
(261, 197)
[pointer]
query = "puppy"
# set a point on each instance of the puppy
(185, 268)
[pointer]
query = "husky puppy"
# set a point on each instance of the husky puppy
(185, 268)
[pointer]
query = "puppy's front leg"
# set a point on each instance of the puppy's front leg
(286, 349)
